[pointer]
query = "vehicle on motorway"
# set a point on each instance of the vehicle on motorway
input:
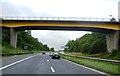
(51, 53)
(43, 52)
(55, 56)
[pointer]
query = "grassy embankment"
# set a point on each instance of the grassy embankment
(110, 68)
(105, 55)
(9, 51)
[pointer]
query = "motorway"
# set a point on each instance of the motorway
(42, 64)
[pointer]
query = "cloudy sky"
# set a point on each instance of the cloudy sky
(59, 8)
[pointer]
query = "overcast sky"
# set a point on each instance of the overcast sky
(59, 8)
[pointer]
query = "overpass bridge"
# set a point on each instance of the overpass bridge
(103, 25)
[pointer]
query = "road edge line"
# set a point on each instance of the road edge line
(86, 67)
(4, 67)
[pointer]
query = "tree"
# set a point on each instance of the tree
(89, 43)
(46, 48)
(66, 50)
(52, 49)
(112, 19)
(24, 39)
(5, 36)
(119, 42)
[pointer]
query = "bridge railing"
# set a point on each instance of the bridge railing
(58, 18)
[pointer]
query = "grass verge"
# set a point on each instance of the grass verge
(104, 55)
(10, 51)
(110, 68)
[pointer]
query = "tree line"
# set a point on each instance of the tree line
(25, 39)
(89, 43)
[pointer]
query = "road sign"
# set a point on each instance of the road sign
(25, 47)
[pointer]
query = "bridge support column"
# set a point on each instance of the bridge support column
(13, 37)
(112, 41)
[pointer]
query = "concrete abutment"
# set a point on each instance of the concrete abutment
(112, 40)
(13, 37)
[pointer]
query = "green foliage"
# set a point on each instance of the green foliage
(5, 36)
(52, 49)
(24, 39)
(119, 42)
(105, 55)
(89, 43)
(114, 52)
(113, 20)
(45, 47)
(66, 50)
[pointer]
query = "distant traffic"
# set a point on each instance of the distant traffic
(53, 55)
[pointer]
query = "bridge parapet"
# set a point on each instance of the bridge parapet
(59, 18)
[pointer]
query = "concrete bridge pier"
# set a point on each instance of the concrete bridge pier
(112, 41)
(13, 37)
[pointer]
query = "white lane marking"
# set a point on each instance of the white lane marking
(86, 67)
(16, 62)
(52, 69)
(47, 60)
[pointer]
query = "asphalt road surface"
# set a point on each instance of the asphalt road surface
(43, 64)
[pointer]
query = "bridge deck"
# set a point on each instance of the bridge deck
(56, 23)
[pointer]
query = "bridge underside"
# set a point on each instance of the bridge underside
(64, 28)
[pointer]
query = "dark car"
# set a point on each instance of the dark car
(43, 52)
(55, 56)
